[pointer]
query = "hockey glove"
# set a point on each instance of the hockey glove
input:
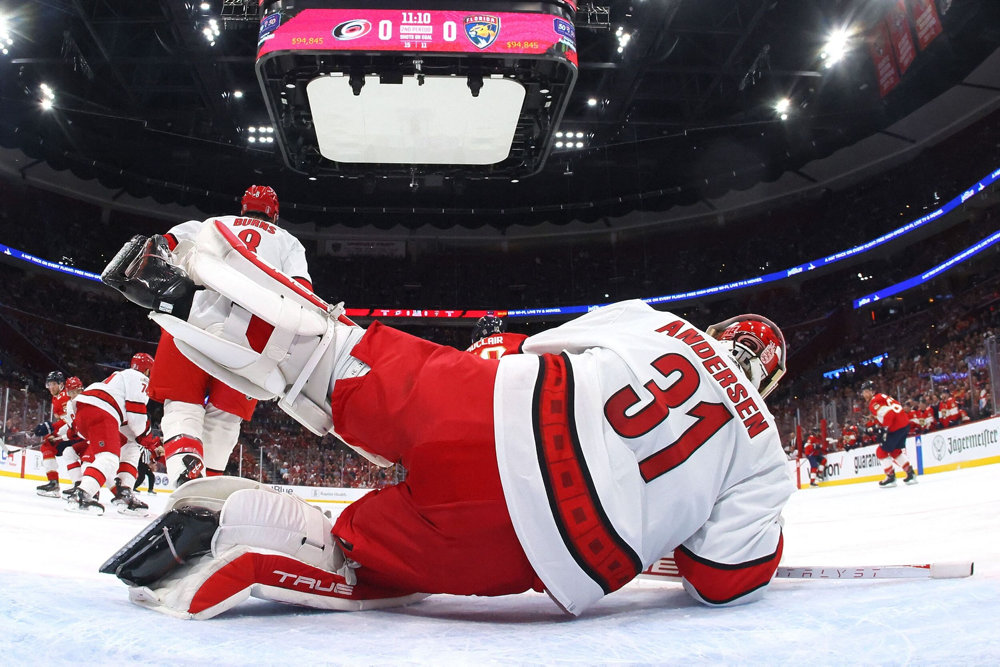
(145, 273)
(43, 429)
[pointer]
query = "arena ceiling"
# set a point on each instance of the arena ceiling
(147, 102)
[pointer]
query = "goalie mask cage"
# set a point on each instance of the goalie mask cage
(396, 88)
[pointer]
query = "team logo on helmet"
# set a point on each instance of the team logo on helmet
(74, 383)
(349, 30)
(482, 29)
(142, 362)
(260, 199)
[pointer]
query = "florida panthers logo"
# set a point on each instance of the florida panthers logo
(482, 29)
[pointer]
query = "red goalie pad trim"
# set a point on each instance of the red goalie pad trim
(721, 583)
(280, 572)
(277, 276)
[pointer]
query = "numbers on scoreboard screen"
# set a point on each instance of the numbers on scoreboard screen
(449, 29)
(419, 18)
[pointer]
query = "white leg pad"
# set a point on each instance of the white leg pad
(210, 492)
(212, 585)
(278, 522)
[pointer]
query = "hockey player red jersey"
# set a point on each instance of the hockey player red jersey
(889, 412)
(496, 345)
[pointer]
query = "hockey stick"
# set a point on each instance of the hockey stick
(666, 569)
(10, 449)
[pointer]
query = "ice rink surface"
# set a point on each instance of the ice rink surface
(56, 609)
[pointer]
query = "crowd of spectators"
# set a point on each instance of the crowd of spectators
(932, 336)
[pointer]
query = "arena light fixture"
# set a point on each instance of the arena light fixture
(782, 107)
(47, 97)
(837, 45)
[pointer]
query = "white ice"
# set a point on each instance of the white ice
(55, 607)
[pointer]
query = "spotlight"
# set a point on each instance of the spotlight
(237, 94)
(836, 47)
(592, 102)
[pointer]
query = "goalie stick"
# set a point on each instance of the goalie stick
(666, 569)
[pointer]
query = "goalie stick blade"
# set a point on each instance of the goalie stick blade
(163, 545)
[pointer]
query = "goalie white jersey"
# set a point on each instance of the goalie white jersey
(683, 452)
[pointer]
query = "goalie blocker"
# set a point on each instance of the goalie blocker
(222, 540)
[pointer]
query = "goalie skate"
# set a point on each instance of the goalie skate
(166, 543)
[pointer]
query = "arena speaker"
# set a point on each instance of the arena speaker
(471, 88)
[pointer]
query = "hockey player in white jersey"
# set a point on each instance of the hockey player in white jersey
(612, 440)
(201, 415)
(111, 416)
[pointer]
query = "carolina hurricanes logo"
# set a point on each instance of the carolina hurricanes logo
(349, 30)
(749, 341)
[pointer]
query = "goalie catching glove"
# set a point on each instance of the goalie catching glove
(146, 273)
(222, 540)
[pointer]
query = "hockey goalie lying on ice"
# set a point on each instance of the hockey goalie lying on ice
(617, 438)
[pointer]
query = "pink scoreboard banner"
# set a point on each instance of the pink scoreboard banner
(418, 31)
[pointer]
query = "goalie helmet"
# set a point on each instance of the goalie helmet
(757, 345)
(260, 199)
(142, 362)
(74, 384)
(487, 326)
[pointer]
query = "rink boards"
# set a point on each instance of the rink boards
(973, 444)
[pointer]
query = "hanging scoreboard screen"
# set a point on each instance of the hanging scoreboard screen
(440, 31)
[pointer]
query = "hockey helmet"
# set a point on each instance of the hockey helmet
(74, 384)
(55, 376)
(487, 326)
(142, 362)
(869, 385)
(260, 199)
(757, 345)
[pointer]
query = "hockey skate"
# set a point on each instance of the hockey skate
(194, 468)
(81, 501)
(127, 503)
(169, 541)
(889, 481)
(50, 489)
(911, 477)
(67, 492)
